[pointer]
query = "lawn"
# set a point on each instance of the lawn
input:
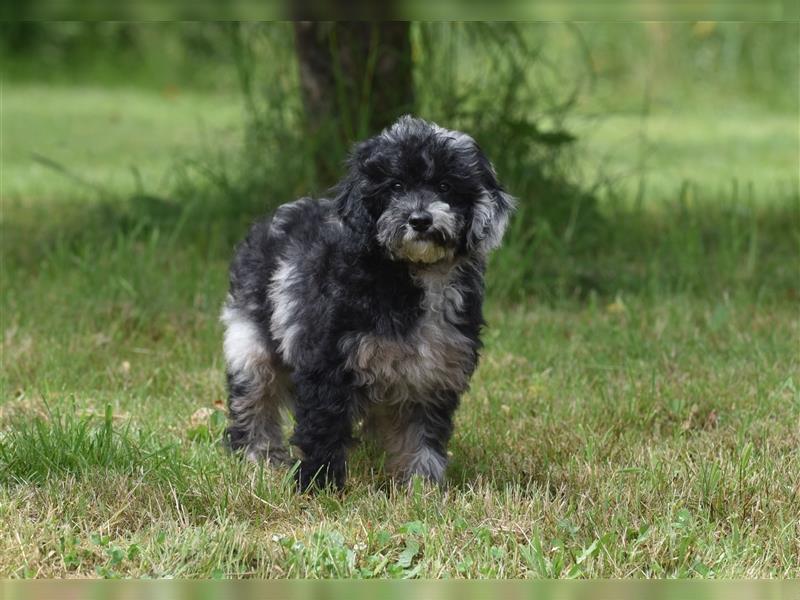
(108, 140)
(624, 434)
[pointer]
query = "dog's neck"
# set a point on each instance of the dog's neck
(441, 270)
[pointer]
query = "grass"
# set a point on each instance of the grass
(650, 428)
(714, 150)
(605, 441)
(80, 129)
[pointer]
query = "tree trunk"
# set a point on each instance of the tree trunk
(356, 78)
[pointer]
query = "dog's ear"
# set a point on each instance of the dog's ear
(349, 192)
(491, 211)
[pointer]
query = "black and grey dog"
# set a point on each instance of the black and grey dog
(365, 307)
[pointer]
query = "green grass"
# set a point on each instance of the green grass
(746, 151)
(650, 428)
(115, 140)
(603, 441)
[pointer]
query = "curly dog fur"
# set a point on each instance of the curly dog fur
(365, 307)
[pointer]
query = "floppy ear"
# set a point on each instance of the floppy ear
(348, 192)
(491, 211)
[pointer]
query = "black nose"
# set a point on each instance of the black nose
(420, 220)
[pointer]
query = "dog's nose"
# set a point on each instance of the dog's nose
(420, 220)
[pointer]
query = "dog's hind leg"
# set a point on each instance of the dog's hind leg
(256, 418)
(257, 393)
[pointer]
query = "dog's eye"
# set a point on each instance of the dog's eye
(397, 186)
(444, 186)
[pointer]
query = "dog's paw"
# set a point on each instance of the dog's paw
(275, 457)
(315, 475)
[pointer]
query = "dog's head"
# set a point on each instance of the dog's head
(424, 193)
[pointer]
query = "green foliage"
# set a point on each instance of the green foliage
(743, 62)
(168, 56)
(523, 91)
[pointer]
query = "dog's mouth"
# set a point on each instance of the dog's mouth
(424, 247)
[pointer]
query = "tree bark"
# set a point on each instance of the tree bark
(356, 78)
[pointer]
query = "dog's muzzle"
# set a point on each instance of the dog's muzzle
(419, 232)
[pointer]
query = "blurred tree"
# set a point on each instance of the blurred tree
(356, 78)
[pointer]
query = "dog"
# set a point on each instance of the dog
(365, 307)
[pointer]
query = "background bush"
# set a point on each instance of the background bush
(517, 89)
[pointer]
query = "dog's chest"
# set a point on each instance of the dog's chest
(432, 356)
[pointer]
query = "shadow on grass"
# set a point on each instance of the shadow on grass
(709, 249)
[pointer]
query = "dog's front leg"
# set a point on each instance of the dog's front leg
(417, 440)
(323, 432)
